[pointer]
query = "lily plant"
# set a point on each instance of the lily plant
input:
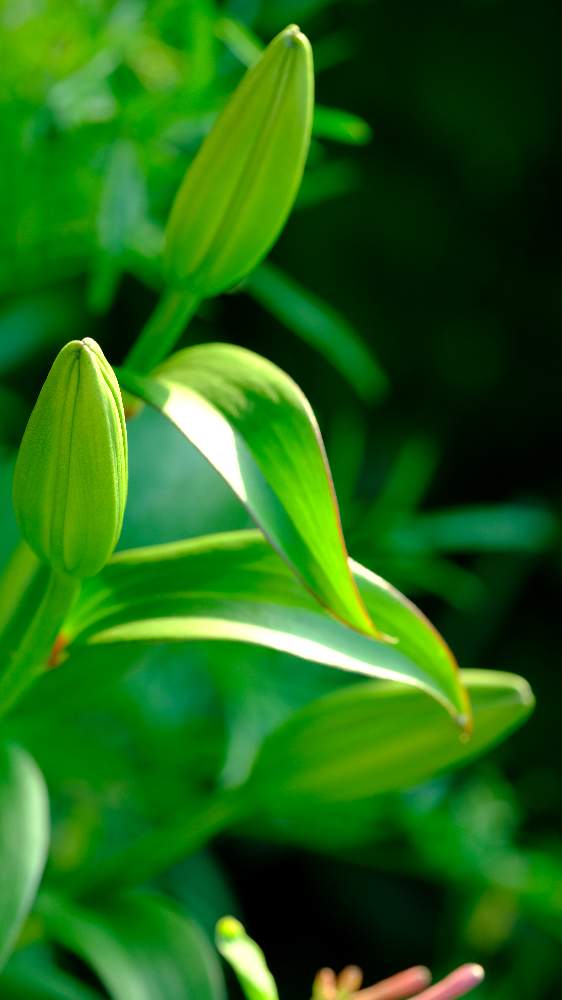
(289, 585)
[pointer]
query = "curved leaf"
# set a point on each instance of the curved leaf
(140, 946)
(374, 738)
(253, 424)
(24, 840)
(233, 586)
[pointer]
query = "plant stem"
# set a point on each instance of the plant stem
(160, 849)
(17, 584)
(162, 331)
(27, 651)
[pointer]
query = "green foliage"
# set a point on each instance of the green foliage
(258, 430)
(234, 587)
(372, 739)
(24, 840)
(165, 699)
(140, 946)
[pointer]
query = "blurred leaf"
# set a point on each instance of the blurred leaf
(502, 527)
(247, 960)
(239, 38)
(35, 323)
(10, 534)
(140, 946)
(26, 978)
(86, 95)
(121, 211)
(234, 587)
(407, 482)
(326, 181)
(333, 49)
(375, 738)
(340, 126)
(198, 18)
(24, 840)
(320, 325)
(254, 425)
(123, 197)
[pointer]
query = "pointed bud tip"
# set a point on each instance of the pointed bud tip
(238, 191)
(70, 479)
(293, 37)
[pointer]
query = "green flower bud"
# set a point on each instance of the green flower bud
(70, 482)
(240, 188)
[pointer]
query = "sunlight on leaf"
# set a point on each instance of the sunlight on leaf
(255, 426)
(234, 587)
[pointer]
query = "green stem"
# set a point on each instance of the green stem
(163, 330)
(160, 849)
(17, 585)
(27, 651)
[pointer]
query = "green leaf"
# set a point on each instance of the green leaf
(321, 326)
(24, 840)
(511, 527)
(26, 978)
(254, 425)
(123, 198)
(233, 586)
(247, 960)
(375, 738)
(340, 126)
(140, 946)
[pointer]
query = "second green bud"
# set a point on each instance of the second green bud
(239, 190)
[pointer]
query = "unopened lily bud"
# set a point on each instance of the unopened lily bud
(70, 483)
(240, 188)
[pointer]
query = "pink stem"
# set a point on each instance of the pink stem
(405, 984)
(459, 983)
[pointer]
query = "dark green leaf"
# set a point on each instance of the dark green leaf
(140, 946)
(375, 738)
(320, 325)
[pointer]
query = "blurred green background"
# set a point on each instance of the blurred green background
(416, 297)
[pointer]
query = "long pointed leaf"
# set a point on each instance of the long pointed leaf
(375, 738)
(24, 840)
(140, 946)
(321, 326)
(233, 586)
(253, 424)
